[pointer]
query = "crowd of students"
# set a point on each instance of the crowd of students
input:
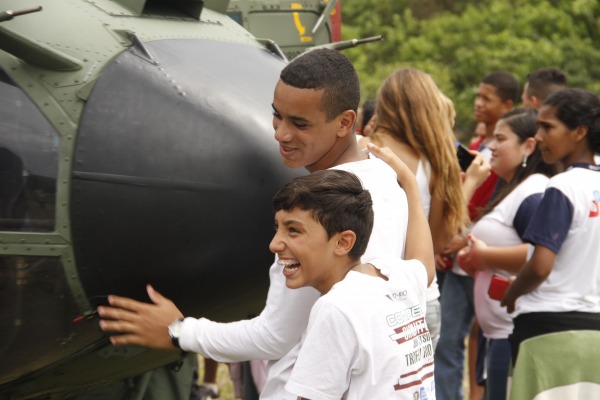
(353, 309)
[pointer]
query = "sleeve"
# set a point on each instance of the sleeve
(550, 224)
(322, 370)
(525, 213)
(268, 336)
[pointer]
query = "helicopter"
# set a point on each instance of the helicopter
(135, 147)
(297, 25)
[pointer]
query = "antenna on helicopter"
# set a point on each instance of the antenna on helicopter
(346, 44)
(326, 11)
(9, 14)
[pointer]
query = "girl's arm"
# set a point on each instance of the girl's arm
(441, 232)
(531, 275)
(419, 244)
(480, 256)
(478, 171)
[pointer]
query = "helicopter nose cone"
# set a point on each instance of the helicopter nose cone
(174, 172)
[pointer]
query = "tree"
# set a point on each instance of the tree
(466, 40)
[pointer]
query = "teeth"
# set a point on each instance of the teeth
(288, 263)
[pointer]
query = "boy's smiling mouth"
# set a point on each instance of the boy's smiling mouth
(289, 265)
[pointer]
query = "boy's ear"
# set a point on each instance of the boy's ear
(346, 121)
(508, 105)
(345, 242)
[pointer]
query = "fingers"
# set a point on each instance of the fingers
(133, 339)
(125, 303)
(134, 329)
(464, 259)
(373, 148)
(508, 303)
(154, 295)
(441, 262)
(138, 323)
(383, 153)
(161, 342)
(479, 167)
(114, 313)
(121, 326)
(377, 151)
(126, 340)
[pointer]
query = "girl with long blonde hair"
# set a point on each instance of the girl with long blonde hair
(415, 120)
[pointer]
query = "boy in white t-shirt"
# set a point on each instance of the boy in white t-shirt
(367, 336)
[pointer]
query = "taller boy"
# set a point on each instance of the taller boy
(314, 110)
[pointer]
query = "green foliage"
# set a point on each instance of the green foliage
(459, 42)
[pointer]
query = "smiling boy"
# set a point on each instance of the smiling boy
(323, 222)
(367, 337)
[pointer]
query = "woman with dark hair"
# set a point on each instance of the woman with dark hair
(496, 245)
(558, 289)
(363, 116)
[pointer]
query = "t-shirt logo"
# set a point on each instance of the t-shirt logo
(594, 209)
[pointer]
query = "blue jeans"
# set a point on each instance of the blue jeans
(497, 363)
(457, 319)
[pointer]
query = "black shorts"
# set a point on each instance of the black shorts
(539, 323)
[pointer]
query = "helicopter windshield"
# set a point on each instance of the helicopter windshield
(28, 163)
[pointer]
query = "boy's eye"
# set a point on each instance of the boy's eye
(293, 230)
(300, 125)
(276, 115)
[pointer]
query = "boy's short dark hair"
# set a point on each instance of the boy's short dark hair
(506, 84)
(336, 199)
(329, 70)
(542, 82)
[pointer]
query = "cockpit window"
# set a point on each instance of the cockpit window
(28, 163)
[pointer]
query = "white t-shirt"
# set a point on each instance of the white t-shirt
(367, 339)
(275, 334)
(567, 222)
(503, 227)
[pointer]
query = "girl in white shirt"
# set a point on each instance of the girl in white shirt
(558, 289)
(518, 162)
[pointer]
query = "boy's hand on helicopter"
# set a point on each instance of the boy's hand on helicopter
(138, 323)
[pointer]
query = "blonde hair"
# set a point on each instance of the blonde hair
(412, 109)
(449, 106)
